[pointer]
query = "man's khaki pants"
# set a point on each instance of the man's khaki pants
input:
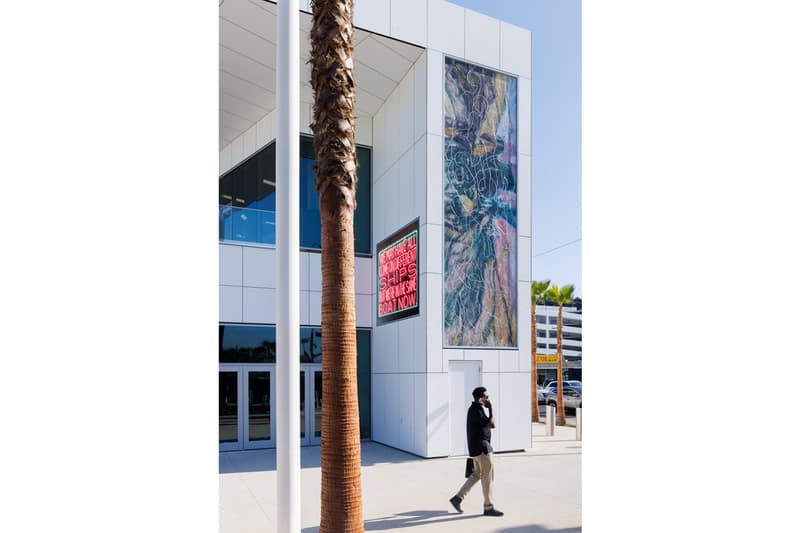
(484, 472)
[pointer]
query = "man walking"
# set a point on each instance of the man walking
(479, 437)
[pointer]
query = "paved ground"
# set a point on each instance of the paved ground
(538, 489)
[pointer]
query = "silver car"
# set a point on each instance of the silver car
(572, 397)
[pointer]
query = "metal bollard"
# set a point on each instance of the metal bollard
(550, 420)
(578, 427)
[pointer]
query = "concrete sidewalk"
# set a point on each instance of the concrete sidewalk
(538, 489)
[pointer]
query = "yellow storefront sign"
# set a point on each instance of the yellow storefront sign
(546, 358)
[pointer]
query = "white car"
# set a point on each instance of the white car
(572, 397)
(540, 394)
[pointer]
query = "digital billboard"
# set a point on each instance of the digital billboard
(397, 274)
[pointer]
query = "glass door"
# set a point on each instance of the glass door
(259, 422)
(315, 386)
(231, 430)
(311, 405)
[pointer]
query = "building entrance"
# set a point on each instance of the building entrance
(247, 406)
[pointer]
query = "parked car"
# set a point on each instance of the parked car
(540, 394)
(568, 383)
(572, 397)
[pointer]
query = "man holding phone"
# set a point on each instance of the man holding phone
(479, 437)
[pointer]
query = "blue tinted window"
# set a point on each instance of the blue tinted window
(247, 200)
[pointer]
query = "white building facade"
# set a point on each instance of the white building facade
(444, 146)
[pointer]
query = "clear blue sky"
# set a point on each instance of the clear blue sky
(556, 84)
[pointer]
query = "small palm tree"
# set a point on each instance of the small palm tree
(538, 291)
(560, 297)
(333, 81)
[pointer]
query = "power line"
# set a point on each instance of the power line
(557, 247)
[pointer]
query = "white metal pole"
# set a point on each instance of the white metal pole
(287, 191)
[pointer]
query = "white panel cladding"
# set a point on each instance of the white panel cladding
(305, 315)
(514, 411)
(524, 115)
(315, 308)
(405, 188)
(304, 271)
(258, 305)
(434, 245)
(435, 82)
(508, 360)
(435, 200)
(364, 311)
(523, 259)
(249, 142)
(384, 353)
(230, 264)
(378, 404)
(392, 410)
(515, 50)
(306, 116)
(258, 267)
(438, 423)
(364, 272)
(230, 304)
(378, 212)
(404, 412)
(224, 160)
(364, 130)
(482, 39)
(433, 286)
(406, 21)
(524, 195)
(420, 72)
(420, 415)
(488, 358)
(392, 206)
(452, 354)
(420, 179)
(236, 151)
(405, 345)
(373, 16)
(265, 130)
(418, 346)
(446, 27)
(314, 271)
(404, 108)
(379, 150)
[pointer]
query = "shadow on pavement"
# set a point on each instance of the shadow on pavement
(537, 529)
(409, 519)
(420, 518)
(265, 461)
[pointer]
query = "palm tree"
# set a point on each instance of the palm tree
(333, 82)
(538, 290)
(560, 297)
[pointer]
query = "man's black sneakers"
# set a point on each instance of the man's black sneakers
(456, 502)
(491, 511)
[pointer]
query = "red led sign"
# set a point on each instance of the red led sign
(397, 274)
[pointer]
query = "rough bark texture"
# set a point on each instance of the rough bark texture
(334, 143)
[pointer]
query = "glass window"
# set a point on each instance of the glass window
(364, 348)
(363, 214)
(246, 344)
(247, 200)
(310, 345)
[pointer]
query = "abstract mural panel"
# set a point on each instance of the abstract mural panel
(480, 207)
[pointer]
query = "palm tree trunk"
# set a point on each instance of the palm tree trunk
(534, 392)
(561, 417)
(334, 142)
